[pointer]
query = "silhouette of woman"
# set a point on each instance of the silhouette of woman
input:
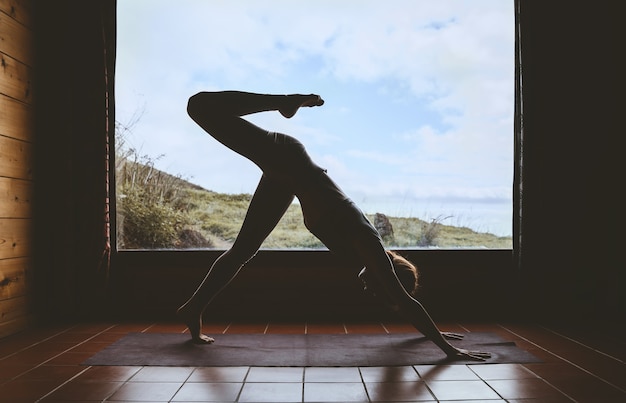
(329, 214)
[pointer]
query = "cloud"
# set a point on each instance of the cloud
(420, 91)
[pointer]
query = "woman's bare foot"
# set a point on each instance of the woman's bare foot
(296, 101)
(194, 324)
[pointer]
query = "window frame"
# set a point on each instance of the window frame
(494, 260)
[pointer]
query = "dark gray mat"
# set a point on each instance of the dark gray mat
(287, 350)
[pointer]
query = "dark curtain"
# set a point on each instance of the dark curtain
(74, 101)
(518, 159)
(568, 142)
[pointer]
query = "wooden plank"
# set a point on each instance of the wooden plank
(13, 308)
(16, 158)
(15, 79)
(16, 325)
(16, 198)
(16, 40)
(19, 10)
(15, 237)
(15, 278)
(16, 119)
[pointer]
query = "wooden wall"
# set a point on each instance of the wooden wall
(16, 165)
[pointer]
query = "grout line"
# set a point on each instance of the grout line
(565, 360)
(39, 342)
(63, 384)
(582, 344)
(181, 385)
(57, 355)
(367, 392)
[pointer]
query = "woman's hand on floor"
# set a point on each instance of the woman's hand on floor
(462, 354)
(452, 336)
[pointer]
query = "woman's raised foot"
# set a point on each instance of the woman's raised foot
(294, 102)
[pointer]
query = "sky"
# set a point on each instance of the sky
(419, 95)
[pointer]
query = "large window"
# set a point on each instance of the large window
(417, 127)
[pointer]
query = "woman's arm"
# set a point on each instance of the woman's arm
(381, 279)
(421, 320)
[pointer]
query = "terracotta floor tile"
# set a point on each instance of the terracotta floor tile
(335, 392)
(166, 328)
(459, 390)
(27, 358)
(389, 374)
(90, 328)
(73, 337)
(8, 372)
(524, 389)
(146, 391)
(27, 389)
(246, 328)
(208, 392)
(399, 327)
(274, 392)
(133, 327)
(89, 347)
(286, 328)
(446, 372)
(365, 328)
(69, 358)
(325, 328)
(108, 374)
(589, 389)
(275, 374)
(214, 327)
(321, 374)
(219, 374)
(162, 374)
(53, 372)
(398, 391)
(16, 342)
(54, 347)
(80, 391)
(107, 337)
(555, 371)
(501, 371)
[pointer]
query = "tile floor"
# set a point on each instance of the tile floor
(45, 365)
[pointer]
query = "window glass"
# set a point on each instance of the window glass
(417, 127)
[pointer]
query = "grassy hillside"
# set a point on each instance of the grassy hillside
(159, 210)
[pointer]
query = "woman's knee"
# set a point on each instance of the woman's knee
(196, 105)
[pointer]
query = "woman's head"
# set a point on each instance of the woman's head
(406, 271)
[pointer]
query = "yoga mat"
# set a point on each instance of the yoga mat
(287, 350)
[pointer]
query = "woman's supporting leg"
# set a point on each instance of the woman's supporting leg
(269, 203)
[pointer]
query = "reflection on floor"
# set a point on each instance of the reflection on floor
(45, 365)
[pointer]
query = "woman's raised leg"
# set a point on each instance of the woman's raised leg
(219, 114)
